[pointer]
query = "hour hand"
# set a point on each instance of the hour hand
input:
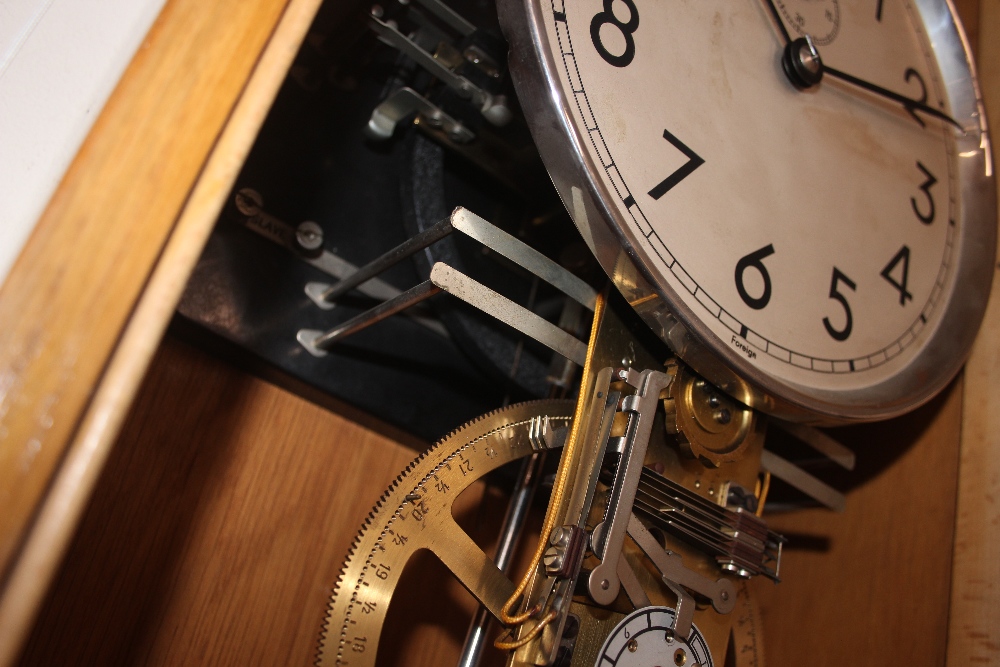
(805, 68)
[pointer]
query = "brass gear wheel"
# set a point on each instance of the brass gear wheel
(710, 426)
(415, 514)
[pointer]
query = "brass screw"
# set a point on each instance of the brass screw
(633, 646)
(680, 657)
(723, 416)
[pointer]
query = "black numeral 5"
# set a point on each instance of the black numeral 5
(845, 333)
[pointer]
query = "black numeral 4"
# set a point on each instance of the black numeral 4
(899, 264)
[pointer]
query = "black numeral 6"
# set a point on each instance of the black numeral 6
(755, 261)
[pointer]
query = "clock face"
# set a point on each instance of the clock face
(817, 240)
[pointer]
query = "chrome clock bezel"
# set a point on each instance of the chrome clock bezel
(576, 178)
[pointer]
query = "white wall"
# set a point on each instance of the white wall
(59, 62)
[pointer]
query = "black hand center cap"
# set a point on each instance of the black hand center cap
(802, 63)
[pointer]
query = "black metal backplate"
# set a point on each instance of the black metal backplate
(311, 161)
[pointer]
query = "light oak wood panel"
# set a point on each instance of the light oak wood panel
(878, 496)
(220, 524)
(82, 421)
(871, 586)
(71, 290)
(974, 635)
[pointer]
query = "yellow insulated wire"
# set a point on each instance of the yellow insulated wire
(558, 489)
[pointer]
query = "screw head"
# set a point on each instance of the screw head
(309, 235)
(633, 646)
(724, 416)
(248, 201)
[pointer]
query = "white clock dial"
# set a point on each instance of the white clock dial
(644, 638)
(812, 237)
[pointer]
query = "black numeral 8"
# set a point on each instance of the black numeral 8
(627, 28)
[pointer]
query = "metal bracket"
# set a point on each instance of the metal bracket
(449, 16)
(493, 107)
(720, 591)
(249, 205)
(819, 441)
(401, 104)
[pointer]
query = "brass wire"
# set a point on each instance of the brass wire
(762, 497)
(558, 490)
(534, 632)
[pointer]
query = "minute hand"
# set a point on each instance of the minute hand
(907, 102)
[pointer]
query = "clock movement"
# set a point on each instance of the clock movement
(626, 263)
(765, 215)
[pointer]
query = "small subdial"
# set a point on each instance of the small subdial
(645, 638)
(820, 19)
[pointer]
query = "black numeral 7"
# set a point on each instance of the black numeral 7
(694, 161)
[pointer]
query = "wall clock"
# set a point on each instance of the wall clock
(797, 196)
(626, 386)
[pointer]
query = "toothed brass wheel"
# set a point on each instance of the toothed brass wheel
(416, 514)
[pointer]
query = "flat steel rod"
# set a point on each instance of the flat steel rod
(821, 442)
(525, 256)
(449, 16)
(423, 291)
(391, 258)
(478, 295)
(803, 481)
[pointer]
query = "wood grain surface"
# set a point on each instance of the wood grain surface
(64, 304)
(220, 524)
(227, 504)
(871, 586)
(974, 636)
(103, 272)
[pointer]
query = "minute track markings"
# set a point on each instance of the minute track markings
(670, 262)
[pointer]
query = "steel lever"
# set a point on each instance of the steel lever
(604, 582)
